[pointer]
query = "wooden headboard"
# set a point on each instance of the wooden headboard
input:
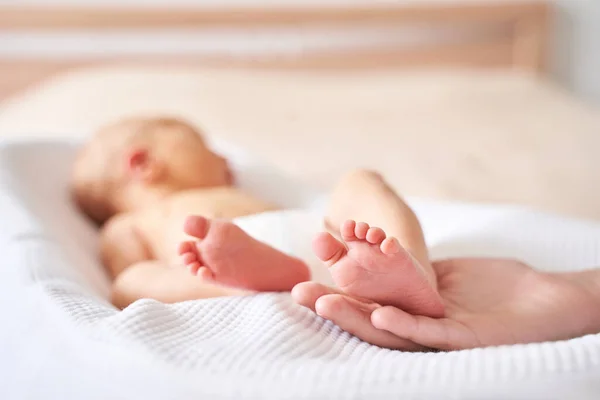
(512, 34)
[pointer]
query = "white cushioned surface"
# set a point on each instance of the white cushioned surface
(62, 338)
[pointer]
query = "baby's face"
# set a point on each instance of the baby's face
(128, 163)
(190, 164)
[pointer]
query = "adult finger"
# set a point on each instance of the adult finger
(437, 333)
(354, 317)
(307, 293)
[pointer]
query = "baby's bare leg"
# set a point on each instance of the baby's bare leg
(154, 280)
(386, 261)
(365, 196)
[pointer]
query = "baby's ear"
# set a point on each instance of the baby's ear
(141, 166)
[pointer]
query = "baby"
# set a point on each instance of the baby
(164, 200)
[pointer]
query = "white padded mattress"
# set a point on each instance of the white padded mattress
(61, 339)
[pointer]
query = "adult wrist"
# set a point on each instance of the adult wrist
(589, 280)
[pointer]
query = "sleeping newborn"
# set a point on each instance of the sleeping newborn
(164, 201)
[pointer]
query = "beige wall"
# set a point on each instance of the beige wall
(575, 56)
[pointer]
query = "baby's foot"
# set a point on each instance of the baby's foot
(377, 268)
(226, 254)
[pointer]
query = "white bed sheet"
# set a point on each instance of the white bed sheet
(62, 339)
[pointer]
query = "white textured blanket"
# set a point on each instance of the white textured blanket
(61, 339)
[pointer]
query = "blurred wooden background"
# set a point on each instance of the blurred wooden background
(514, 35)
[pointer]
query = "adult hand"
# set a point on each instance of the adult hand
(488, 302)
(351, 314)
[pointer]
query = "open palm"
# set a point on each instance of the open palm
(488, 302)
(493, 302)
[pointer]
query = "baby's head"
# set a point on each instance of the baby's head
(133, 163)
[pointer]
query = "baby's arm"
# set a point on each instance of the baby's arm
(122, 244)
(155, 280)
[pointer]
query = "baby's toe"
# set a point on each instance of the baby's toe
(196, 226)
(205, 273)
(347, 230)
(328, 248)
(186, 247)
(375, 235)
(194, 267)
(361, 230)
(390, 246)
(189, 258)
